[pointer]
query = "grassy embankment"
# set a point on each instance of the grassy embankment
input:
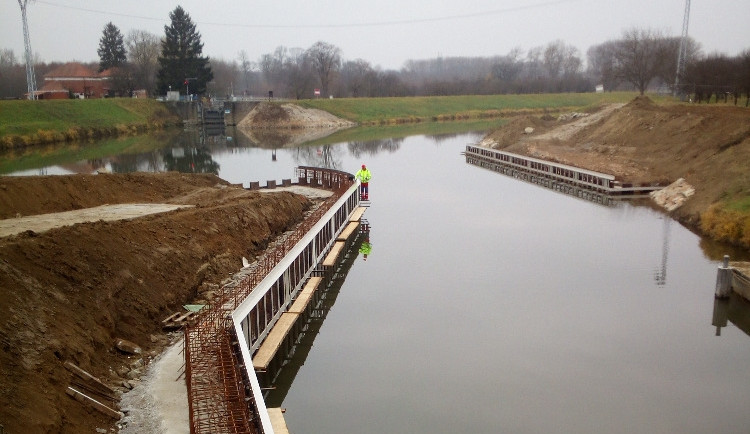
(24, 123)
(391, 111)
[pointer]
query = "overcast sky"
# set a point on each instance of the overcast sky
(384, 32)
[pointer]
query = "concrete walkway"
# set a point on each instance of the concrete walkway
(159, 403)
(45, 222)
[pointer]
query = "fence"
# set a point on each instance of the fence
(223, 392)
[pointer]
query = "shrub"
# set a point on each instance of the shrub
(726, 225)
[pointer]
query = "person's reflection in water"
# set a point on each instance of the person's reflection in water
(365, 248)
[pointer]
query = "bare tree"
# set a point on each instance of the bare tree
(272, 69)
(326, 60)
(357, 77)
(246, 67)
(12, 75)
(744, 75)
(508, 67)
(299, 72)
(226, 73)
(640, 57)
(602, 65)
(143, 54)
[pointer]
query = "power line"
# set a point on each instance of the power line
(329, 25)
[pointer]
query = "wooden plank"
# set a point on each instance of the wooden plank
(357, 214)
(93, 403)
(278, 423)
(348, 231)
(305, 295)
(330, 259)
(273, 341)
(89, 379)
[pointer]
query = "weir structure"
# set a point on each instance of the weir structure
(594, 186)
(224, 394)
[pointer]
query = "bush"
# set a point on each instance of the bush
(726, 225)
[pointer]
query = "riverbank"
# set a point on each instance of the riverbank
(28, 123)
(401, 110)
(646, 141)
(70, 293)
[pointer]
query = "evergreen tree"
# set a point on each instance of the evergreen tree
(181, 65)
(111, 48)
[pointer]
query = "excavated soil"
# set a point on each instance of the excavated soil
(707, 145)
(284, 125)
(68, 293)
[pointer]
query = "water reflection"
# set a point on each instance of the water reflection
(294, 350)
(734, 309)
(374, 147)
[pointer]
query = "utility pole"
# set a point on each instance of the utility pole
(681, 56)
(30, 76)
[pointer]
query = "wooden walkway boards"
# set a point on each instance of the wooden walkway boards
(357, 214)
(348, 231)
(283, 326)
(277, 421)
(330, 259)
(273, 341)
(303, 299)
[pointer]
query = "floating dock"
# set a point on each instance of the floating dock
(556, 176)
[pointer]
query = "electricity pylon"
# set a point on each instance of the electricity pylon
(30, 76)
(681, 56)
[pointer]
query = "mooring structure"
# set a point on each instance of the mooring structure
(224, 394)
(575, 181)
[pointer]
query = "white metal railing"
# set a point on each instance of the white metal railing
(256, 315)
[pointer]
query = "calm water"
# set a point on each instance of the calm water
(489, 305)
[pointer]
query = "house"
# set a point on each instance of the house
(77, 80)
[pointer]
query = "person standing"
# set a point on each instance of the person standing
(364, 177)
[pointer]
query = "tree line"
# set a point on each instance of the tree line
(641, 60)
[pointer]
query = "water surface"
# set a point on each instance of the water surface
(491, 305)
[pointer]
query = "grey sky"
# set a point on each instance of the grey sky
(384, 32)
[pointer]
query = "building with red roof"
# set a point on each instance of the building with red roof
(77, 80)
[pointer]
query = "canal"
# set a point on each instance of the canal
(491, 305)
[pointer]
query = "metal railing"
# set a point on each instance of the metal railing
(223, 392)
(557, 173)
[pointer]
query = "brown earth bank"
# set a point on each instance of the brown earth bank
(68, 293)
(707, 145)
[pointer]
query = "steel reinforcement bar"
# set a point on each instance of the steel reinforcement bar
(222, 398)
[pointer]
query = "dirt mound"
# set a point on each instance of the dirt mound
(22, 196)
(290, 116)
(68, 293)
(708, 146)
(514, 130)
(641, 102)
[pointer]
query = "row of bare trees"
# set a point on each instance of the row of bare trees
(642, 59)
(645, 59)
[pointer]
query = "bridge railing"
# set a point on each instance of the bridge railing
(223, 392)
